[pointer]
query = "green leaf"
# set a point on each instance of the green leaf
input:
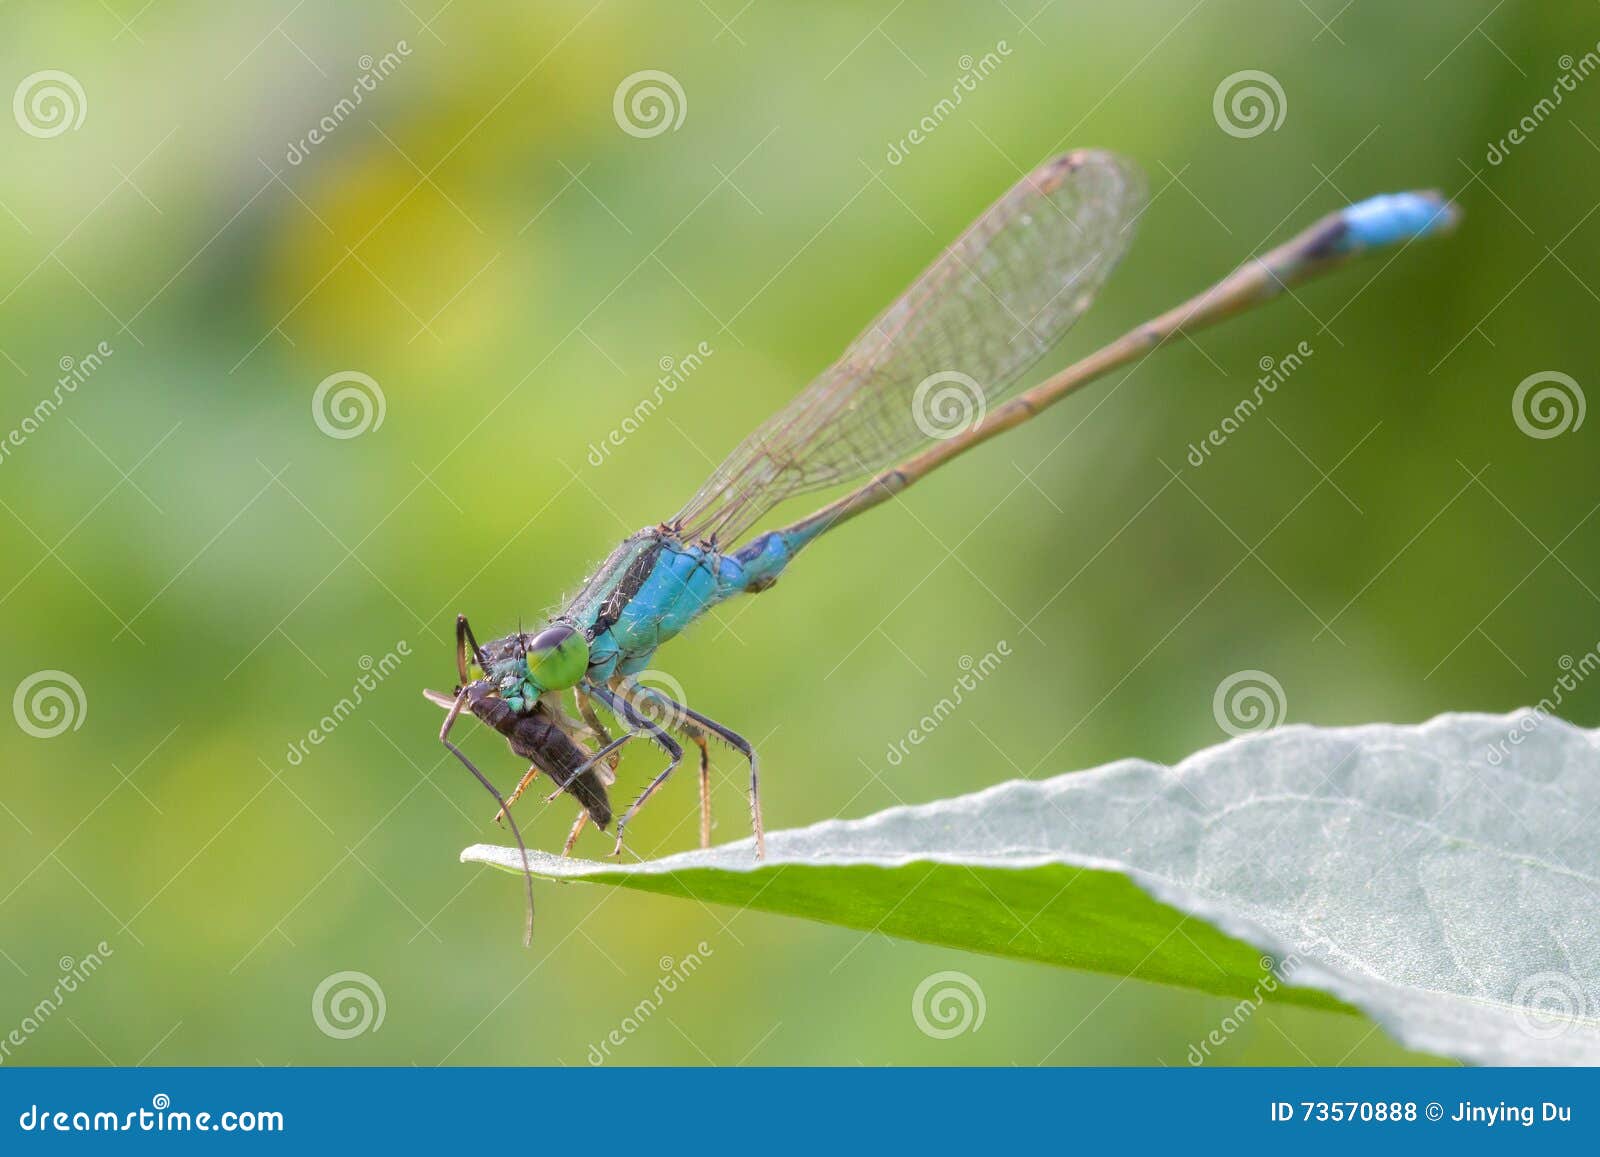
(1443, 878)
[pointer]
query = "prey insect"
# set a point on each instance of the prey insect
(957, 344)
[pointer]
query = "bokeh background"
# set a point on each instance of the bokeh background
(482, 238)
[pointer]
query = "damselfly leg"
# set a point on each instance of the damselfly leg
(695, 725)
(698, 737)
(592, 719)
(705, 786)
(619, 705)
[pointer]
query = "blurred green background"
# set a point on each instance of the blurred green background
(482, 238)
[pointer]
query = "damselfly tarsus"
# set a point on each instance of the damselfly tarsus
(992, 304)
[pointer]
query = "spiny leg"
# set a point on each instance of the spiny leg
(695, 734)
(687, 717)
(629, 714)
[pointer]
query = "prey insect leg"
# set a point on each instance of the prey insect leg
(572, 836)
(516, 792)
(527, 869)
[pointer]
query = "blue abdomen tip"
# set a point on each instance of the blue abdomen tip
(1396, 217)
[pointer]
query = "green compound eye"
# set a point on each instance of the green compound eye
(558, 657)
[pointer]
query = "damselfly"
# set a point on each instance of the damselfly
(956, 344)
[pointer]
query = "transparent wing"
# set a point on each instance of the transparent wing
(955, 343)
